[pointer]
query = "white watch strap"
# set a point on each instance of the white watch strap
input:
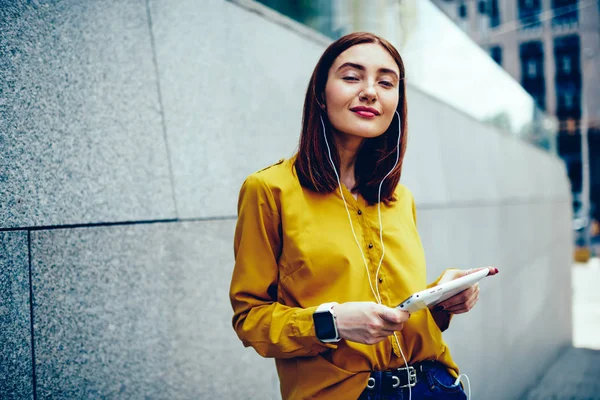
(327, 307)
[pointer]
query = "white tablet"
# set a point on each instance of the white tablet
(439, 293)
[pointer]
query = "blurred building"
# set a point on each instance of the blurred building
(552, 47)
(468, 79)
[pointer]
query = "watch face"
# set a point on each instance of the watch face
(324, 325)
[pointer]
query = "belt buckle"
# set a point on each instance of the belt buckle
(412, 378)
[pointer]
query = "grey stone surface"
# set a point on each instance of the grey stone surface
(15, 321)
(140, 312)
(575, 375)
(80, 127)
(233, 89)
(524, 312)
(454, 160)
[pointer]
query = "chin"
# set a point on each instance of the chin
(366, 133)
(361, 130)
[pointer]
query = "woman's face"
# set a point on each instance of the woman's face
(361, 93)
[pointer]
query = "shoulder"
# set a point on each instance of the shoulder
(271, 180)
(403, 194)
(273, 173)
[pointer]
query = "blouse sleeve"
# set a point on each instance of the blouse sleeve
(260, 321)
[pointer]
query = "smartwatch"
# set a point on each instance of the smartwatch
(325, 324)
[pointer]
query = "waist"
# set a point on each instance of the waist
(394, 380)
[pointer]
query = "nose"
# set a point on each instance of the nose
(368, 93)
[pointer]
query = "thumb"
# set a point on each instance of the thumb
(390, 314)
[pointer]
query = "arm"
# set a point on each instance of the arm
(271, 328)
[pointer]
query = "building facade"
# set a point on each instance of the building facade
(552, 47)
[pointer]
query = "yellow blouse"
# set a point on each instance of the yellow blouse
(294, 250)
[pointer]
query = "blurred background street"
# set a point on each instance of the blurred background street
(576, 373)
(586, 305)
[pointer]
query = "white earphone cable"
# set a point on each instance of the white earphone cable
(348, 212)
(457, 381)
(375, 293)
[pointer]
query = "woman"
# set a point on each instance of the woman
(326, 245)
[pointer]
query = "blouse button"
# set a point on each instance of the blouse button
(380, 280)
(359, 212)
(370, 245)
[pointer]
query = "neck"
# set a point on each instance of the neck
(348, 147)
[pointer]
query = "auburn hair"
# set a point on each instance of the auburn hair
(376, 156)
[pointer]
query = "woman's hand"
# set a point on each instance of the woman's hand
(464, 301)
(368, 322)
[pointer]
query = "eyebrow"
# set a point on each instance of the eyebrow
(361, 68)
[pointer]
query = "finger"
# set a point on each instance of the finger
(467, 302)
(457, 307)
(390, 332)
(459, 298)
(373, 339)
(392, 315)
(380, 334)
(464, 307)
(391, 326)
(462, 297)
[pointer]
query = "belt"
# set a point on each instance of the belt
(393, 380)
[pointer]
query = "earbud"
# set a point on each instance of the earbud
(321, 102)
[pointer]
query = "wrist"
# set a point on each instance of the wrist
(442, 318)
(325, 322)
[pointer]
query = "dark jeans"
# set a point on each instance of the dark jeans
(434, 382)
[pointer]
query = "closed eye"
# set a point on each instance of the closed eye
(349, 78)
(386, 83)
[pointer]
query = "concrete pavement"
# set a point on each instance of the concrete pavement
(576, 373)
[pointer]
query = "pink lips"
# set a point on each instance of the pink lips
(365, 114)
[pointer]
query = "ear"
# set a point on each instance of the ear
(322, 101)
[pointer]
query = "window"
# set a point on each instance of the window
(532, 71)
(574, 169)
(565, 12)
(494, 13)
(568, 77)
(496, 54)
(529, 13)
(568, 101)
(481, 7)
(566, 64)
(317, 14)
(462, 10)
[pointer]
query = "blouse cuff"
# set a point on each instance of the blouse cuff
(304, 327)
